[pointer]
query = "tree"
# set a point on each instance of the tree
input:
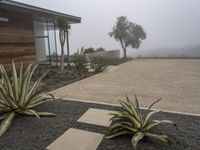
(100, 49)
(89, 50)
(127, 33)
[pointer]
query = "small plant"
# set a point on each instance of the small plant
(80, 62)
(98, 63)
(128, 120)
(17, 97)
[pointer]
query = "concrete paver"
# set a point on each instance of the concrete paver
(75, 139)
(176, 81)
(96, 117)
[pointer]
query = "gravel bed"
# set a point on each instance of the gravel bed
(56, 79)
(30, 133)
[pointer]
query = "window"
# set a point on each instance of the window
(3, 19)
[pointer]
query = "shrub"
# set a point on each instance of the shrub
(128, 120)
(89, 50)
(80, 62)
(98, 63)
(17, 97)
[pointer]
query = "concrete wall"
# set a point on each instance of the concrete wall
(108, 54)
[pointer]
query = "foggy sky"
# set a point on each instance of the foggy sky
(168, 23)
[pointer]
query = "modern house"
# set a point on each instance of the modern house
(28, 33)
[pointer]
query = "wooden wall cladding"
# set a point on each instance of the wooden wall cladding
(17, 40)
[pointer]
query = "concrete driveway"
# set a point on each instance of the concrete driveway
(177, 82)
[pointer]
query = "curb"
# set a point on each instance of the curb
(145, 108)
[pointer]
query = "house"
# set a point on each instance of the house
(28, 33)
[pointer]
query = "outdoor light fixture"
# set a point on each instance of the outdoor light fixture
(3, 19)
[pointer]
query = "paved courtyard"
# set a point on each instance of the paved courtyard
(177, 82)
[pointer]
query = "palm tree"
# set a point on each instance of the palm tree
(67, 35)
(63, 33)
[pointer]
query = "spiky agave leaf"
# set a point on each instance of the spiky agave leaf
(34, 88)
(149, 115)
(6, 81)
(163, 138)
(154, 123)
(154, 103)
(17, 97)
(7, 120)
(113, 135)
(128, 120)
(136, 138)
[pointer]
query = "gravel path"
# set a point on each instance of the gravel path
(176, 81)
(29, 133)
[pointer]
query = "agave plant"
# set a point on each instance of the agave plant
(17, 97)
(128, 120)
(80, 61)
(98, 63)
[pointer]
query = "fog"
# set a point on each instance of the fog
(170, 25)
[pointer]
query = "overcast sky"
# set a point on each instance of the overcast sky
(168, 23)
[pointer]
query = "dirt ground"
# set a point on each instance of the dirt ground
(176, 81)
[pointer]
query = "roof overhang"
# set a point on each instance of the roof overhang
(37, 11)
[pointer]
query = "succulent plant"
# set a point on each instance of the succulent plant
(98, 63)
(18, 97)
(80, 62)
(128, 120)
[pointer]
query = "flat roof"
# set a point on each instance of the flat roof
(13, 5)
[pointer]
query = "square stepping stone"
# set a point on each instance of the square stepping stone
(96, 117)
(75, 139)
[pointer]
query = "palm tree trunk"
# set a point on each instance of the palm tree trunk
(67, 38)
(62, 59)
(62, 43)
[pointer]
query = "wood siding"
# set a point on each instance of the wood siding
(17, 40)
